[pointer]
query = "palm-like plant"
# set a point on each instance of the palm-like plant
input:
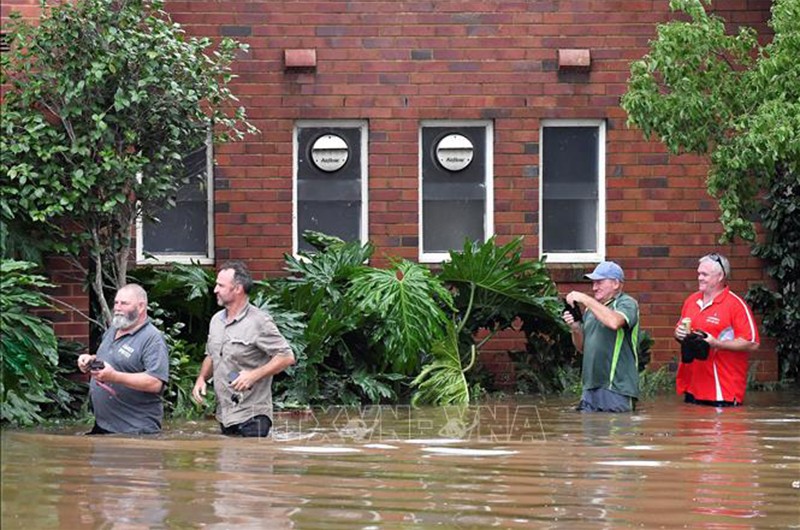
(324, 274)
(358, 331)
(333, 365)
(493, 287)
(409, 302)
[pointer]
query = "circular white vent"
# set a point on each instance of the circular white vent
(329, 153)
(454, 152)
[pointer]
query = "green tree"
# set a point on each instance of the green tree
(105, 98)
(703, 90)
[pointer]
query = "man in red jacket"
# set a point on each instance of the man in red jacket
(730, 333)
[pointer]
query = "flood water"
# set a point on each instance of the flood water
(523, 463)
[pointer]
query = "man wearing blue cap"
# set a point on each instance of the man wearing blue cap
(608, 337)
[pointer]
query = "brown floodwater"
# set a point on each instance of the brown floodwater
(521, 463)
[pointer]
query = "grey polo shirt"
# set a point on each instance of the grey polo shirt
(121, 409)
(247, 342)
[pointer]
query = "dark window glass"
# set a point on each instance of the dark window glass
(570, 182)
(183, 229)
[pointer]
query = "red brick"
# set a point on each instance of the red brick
(569, 58)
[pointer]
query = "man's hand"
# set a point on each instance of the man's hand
(569, 319)
(577, 297)
(573, 298)
(84, 360)
(680, 333)
(245, 381)
(107, 375)
(199, 391)
(712, 341)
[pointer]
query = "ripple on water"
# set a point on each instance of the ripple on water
(464, 451)
(320, 449)
(633, 463)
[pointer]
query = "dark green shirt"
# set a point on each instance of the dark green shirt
(610, 358)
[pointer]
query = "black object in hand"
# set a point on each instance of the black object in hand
(694, 346)
(573, 310)
(96, 364)
(235, 397)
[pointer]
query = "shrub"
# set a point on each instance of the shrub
(28, 347)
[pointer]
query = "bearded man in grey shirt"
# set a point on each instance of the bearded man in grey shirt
(130, 369)
(243, 352)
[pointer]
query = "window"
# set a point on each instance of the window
(330, 192)
(456, 193)
(572, 190)
(185, 232)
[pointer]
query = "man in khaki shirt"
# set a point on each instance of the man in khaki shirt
(243, 352)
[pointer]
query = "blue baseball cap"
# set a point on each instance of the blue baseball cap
(607, 270)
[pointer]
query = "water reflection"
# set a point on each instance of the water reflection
(127, 486)
(515, 464)
(726, 451)
(244, 487)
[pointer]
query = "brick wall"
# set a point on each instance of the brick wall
(29, 9)
(395, 63)
(70, 315)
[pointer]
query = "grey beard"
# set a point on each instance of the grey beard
(122, 321)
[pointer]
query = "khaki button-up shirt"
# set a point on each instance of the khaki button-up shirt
(247, 342)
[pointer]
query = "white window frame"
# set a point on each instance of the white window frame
(185, 258)
(363, 125)
(577, 257)
(488, 214)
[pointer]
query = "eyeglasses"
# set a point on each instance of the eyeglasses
(716, 257)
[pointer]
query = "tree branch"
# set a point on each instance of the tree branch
(58, 301)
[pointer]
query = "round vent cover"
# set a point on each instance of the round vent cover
(329, 153)
(454, 152)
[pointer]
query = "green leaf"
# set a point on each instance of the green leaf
(409, 302)
(494, 285)
(442, 381)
